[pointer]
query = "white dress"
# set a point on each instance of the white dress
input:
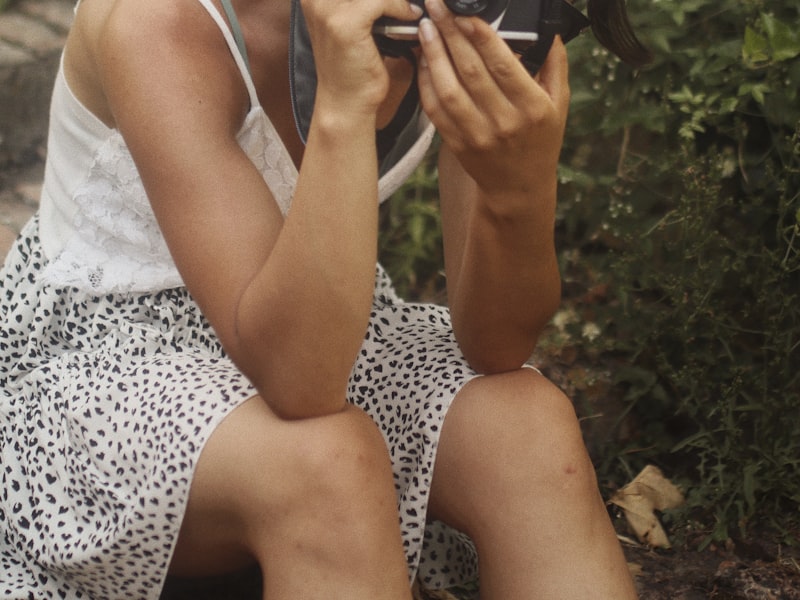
(111, 379)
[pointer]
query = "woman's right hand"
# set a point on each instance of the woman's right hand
(351, 75)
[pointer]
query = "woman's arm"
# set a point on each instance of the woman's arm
(502, 133)
(503, 282)
(289, 299)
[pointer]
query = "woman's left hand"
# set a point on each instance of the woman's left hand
(503, 125)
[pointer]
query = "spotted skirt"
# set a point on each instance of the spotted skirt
(106, 403)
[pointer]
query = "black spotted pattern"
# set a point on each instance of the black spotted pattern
(107, 401)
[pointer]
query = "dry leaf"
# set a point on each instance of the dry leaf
(635, 569)
(648, 492)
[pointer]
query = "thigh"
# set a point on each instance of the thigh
(212, 536)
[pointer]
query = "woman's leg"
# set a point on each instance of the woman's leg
(311, 501)
(512, 472)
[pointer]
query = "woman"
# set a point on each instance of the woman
(196, 378)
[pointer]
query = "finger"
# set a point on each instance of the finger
(430, 102)
(403, 10)
(502, 64)
(444, 81)
(361, 14)
(466, 61)
(554, 75)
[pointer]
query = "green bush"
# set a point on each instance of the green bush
(681, 190)
(410, 244)
(680, 195)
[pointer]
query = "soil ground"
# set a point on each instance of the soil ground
(739, 572)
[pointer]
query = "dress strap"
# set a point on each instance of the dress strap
(233, 36)
(237, 32)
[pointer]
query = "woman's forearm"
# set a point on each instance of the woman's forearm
(304, 316)
(502, 273)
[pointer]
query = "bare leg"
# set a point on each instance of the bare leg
(512, 472)
(311, 501)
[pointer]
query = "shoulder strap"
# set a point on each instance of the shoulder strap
(237, 31)
(235, 41)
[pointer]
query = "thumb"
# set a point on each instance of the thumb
(404, 10)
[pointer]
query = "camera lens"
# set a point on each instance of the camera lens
(467, 7)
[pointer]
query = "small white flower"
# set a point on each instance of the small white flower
(590, 331)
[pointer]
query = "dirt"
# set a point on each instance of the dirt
(727, 574)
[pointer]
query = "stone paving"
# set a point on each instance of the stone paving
(32, 34)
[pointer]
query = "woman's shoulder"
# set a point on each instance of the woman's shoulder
(141, 44)
(146, 27)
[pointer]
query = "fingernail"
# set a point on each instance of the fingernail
(427, 31)
(465, 24)
(436, 9)
(416, 9)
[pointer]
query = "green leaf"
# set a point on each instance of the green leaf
(755, 50)
(749, 484)
(728, 105)
(756, 90)
(783, 40)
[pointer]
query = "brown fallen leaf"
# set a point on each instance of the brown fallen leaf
(635, 569)
(648, 492)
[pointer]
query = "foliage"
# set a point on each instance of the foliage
(680, 194)
(681, 187)
(411, 240)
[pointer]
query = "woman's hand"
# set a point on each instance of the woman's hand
(351, 74)
(503, 125)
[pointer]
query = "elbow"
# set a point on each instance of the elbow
(287, 380)
(287, 387)
(498, 345)
(495, 348)
(493, 366)
(494, 361)
(299, 371)
(294, 408)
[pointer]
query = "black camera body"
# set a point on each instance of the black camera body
(490, 11)
(528, 26)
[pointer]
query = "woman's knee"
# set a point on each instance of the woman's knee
(522, 409)
(260, 477)
(291, 464)
(333, 496)
(345, 459)
(511, 434)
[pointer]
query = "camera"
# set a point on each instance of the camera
(527, 26)
(490, 11)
